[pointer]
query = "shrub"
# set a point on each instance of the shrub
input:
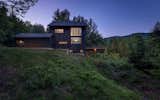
(54, 75)
(116, 67)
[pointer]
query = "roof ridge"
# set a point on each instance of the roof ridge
(67, 23)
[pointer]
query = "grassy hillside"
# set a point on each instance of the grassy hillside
(47, 75)
(140, 54)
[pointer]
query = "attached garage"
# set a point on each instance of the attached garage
(34, 40)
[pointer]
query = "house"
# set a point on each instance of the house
(63, 35)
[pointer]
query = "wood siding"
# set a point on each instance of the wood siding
(57, 37)
(34, 42)
(56, 40)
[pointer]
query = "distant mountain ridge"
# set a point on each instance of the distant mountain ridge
(130, 35)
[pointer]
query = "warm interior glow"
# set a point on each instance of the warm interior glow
(76, 31)
(76, 40)
(63, 42)
(21, 42)
(95, 49)
(81, 51)
(59, 30)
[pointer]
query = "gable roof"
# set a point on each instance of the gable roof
(67, 23)
(33, 35)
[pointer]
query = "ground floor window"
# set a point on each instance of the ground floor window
(62, 42)
(20, 43)
(76, 40)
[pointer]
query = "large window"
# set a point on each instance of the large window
(75, 31)
(59, 30)
(76, 40)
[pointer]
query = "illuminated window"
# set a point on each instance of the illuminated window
(76, 40)
(62, 42)
(76, 31)
(59, 30)
(20, 42)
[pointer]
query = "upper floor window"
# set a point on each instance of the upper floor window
(75, 31)
(59, 30)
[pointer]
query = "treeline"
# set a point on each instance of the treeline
(141, 49)
(11, 24)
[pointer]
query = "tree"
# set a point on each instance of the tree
(3, 10)
(4, 23)
(63, 15)
(11, 25)
(156, 33)
(80, 19)
(137, 52)
(92, 37)
(154, 46)
(2, 4)
(37, 28)
(19, 7)
(157, 27)
(155, 39)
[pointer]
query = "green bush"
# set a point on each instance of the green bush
(42, 75)
(116, 67)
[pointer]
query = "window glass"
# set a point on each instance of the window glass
(20, 42)
(76, 31)
(59, 30)
(62, 42)
(76, 40)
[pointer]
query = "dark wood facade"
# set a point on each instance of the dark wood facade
(33, 42)
(63, 40)
(66, 36)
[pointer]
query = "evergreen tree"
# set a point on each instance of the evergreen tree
(79, 19)
(154, 46)
(4, 19)
(37, 28)
(156, 28)
(156, 33)
(19, 7)
(63, 15)
(11, 24)
(138, 52)
(92, 36)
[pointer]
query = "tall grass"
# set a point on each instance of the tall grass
(48, 75)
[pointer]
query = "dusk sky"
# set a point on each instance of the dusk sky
(113, 17)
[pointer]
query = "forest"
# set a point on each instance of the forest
(130, 64)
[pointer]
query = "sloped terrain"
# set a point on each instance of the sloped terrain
(47, 75)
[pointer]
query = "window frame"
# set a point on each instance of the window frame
(59, 30)
(62, 42)
(74, 42)
(76, 31)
